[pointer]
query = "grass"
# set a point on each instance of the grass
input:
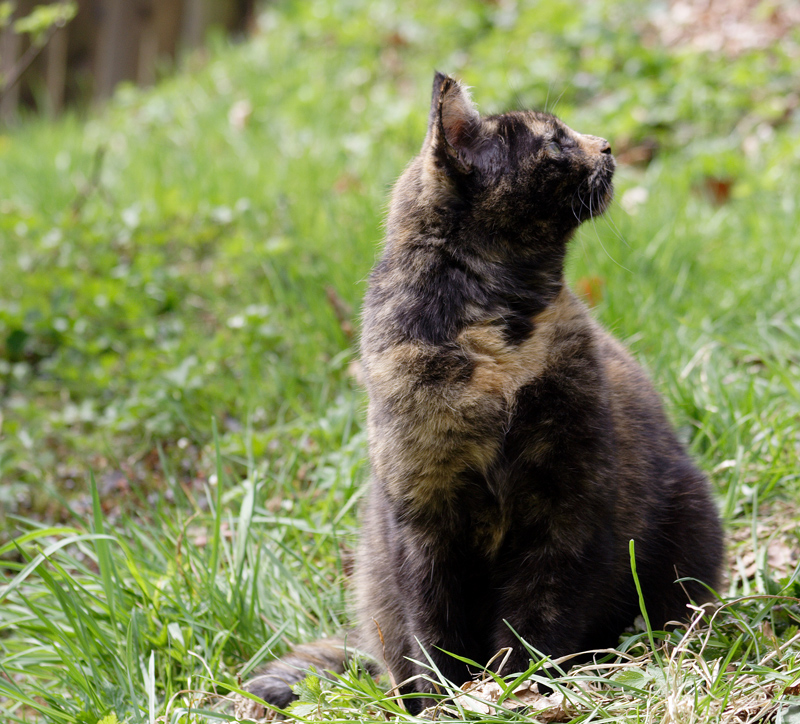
(181, 435)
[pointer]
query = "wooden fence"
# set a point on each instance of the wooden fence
(109, 41)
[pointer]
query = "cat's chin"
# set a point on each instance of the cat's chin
(593, 206)
(603, 202)
(597, 199)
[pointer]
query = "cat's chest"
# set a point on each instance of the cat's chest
(538, 479)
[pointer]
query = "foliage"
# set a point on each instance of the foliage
(194, 253)
(42, 18)
(38, 22)
(6, 11)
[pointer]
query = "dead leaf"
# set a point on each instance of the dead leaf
(719, 188)
(347, 182)
(792, 690)
(591, 289)
(483, 697)
(396, 40)
(249, 710)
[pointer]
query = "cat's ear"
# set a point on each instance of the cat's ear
(454, 124)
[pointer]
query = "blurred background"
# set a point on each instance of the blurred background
(77, 51)
(192, 195)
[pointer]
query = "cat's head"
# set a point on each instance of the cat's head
(516, 170)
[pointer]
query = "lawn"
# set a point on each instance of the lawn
(182, 446)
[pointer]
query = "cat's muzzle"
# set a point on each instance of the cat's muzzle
(596, 192)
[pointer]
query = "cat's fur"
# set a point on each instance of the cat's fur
(516, 447)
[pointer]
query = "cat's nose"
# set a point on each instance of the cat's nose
(595, 144)
(600, 144)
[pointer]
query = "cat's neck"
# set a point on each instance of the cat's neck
(445, 274)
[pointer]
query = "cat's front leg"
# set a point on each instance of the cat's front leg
(447, 601)
(560, 600)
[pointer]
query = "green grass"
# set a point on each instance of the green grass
(181, 438)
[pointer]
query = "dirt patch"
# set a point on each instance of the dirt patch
(730, 27)
(771, 548)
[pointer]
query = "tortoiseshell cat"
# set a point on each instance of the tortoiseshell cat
(516, 447)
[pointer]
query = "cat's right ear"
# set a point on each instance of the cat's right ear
(454, 124)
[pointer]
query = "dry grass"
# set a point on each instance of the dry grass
(727, 665)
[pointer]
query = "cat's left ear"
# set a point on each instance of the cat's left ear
(454, 124)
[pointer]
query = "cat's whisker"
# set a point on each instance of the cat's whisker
(558, 100)
(602, 245)
(547, 98)
(612, 225)
(581, 198)
(575, 213)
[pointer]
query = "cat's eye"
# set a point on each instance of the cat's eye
(553, 149)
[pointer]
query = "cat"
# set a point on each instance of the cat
(515, 446)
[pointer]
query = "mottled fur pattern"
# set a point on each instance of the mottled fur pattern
(516, 447)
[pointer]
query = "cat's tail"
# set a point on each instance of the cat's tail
(274, 683)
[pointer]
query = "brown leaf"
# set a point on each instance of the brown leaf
(347, 182)
(396, 40)
(719, 188)
(591, 289)
(792, 690)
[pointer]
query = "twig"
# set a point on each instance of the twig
(92, 184)
(30, 55)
